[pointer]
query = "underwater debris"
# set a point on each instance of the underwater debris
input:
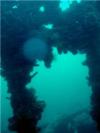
(34, 74)
(82, 36)
(79, 121)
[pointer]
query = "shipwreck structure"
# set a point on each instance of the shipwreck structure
(77, 29)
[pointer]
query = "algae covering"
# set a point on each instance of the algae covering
(36, 32)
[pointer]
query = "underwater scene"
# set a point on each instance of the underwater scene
(50, 66)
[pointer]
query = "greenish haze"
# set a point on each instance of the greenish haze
(63, 87)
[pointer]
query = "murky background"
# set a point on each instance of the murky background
(64, 88)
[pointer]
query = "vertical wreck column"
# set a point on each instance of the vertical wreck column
(27, 109)
(93, 62)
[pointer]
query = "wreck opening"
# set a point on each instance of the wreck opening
(65, 89)
(78, 29)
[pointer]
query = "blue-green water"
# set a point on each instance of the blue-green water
(59, 40)
(63, 87)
